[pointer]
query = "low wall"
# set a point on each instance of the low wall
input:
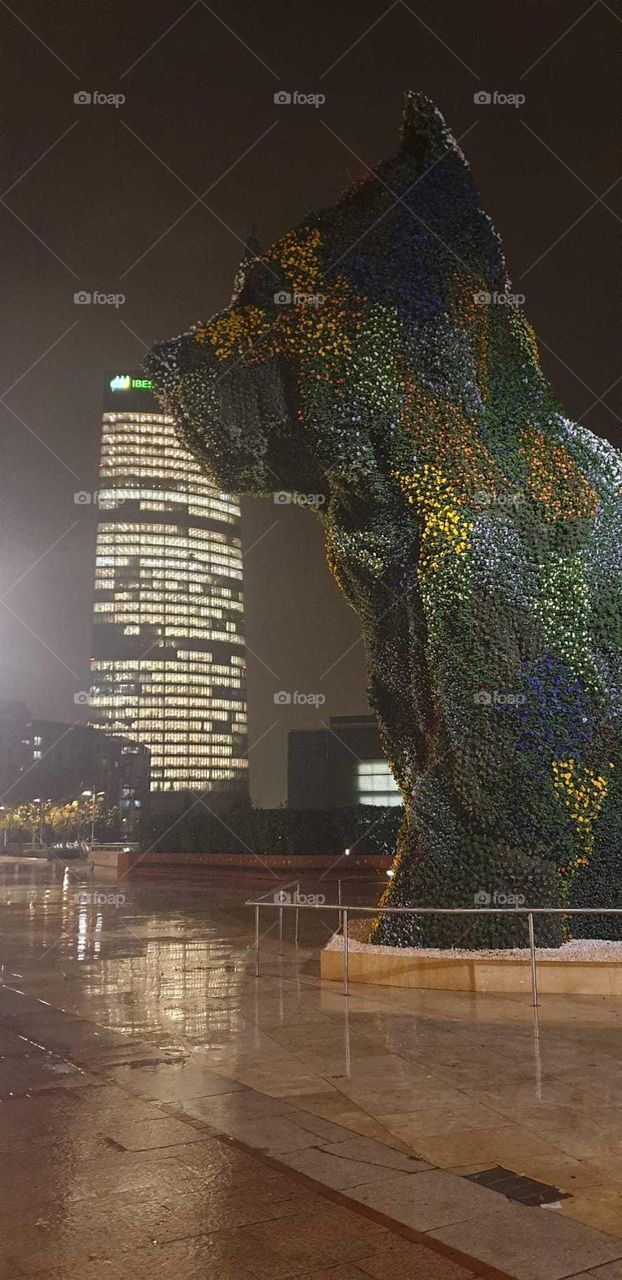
(184, 865)
(467, 973)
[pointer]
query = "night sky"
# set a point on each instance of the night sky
(98, 197)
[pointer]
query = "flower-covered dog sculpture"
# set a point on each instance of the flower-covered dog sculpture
(376, 356)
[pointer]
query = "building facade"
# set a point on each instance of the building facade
(338, 766)
(50, 760)
(168, 663)
(16, 748)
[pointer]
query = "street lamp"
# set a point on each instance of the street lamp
(95, 796)
(39, 801)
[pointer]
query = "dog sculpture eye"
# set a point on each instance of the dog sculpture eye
(376, 356)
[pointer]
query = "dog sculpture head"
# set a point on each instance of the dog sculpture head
(378, 336)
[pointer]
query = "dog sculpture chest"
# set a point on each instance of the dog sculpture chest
(376, 356)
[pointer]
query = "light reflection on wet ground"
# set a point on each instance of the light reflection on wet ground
(112, 1160)
(461, 1081)
(171, 963)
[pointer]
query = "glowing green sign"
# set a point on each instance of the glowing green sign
(123, 382)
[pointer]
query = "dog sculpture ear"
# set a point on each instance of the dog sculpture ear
(441, 190)
(425, 135)
(252, 251)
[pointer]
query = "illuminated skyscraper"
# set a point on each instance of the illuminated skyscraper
(168, 643)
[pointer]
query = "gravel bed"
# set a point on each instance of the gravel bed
(582, 949)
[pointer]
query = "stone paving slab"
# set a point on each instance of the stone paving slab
(527, 1243)
(352, 1163)
(129, 1184)
(531, 1243)
(610, 1271)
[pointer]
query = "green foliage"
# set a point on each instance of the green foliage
(58, 818)
(366, 829)
(481, 876)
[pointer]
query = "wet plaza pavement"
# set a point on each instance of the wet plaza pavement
(163, 1112)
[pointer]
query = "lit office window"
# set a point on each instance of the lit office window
(375, 783)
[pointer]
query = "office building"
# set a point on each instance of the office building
(168, 664)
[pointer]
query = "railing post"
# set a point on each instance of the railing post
(344, 925)
(297, 914)
(257, 909)
(281, 928)
(534, 971)
(339, 892)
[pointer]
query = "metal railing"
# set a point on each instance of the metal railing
(344, 912)
(265, 900)
(272, 895)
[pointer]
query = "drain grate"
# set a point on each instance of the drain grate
(517, 1187)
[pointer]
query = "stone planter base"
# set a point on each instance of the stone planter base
(480, 972)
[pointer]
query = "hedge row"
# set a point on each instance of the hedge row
(366, 829)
